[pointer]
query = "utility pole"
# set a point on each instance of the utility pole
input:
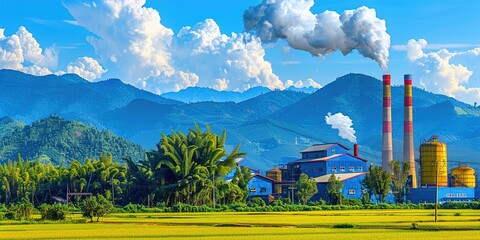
(436, 189)
(113, 193)
(213, 190)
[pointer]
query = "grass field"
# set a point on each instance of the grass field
(367, 224)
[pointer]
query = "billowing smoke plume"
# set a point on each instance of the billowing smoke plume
(343, 124)
(323, 33)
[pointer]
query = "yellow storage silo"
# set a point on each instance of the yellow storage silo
(276, 174)
(433, 154)
(463, 177)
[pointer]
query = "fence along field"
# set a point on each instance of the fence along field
(357, 224)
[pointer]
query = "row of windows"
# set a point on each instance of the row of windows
(262, 189)
(350, 169)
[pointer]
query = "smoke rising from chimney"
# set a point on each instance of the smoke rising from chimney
(320, 33)
(344, 125)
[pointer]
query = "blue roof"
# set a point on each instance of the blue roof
(322, 147)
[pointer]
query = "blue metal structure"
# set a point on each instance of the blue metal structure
(445, 194)
(260, 186)
(321, 160)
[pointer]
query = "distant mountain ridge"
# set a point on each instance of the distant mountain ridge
(28, 98)
(271, 127)
(203, 94)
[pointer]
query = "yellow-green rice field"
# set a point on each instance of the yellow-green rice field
(367, 224)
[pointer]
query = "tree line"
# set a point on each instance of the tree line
(184, 168)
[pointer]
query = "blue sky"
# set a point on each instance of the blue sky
(446, 62)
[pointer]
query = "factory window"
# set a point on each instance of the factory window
(359, 169)
(351, 169)
(263, 189)
(351, 191)
(334, 169)
(342, 169)
(253, 189)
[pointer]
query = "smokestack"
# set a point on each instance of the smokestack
(408, 155)
(355, 150)
(387, 149)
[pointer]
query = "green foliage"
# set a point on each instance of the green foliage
(377, 182)
(334, 190)
(96, 207)
(19, 211)
(53, 212)
(256, 202)
(306, 188)
(241, 178)
(57, 140)
(343, 225)
(24, 180)
(399, 180)
(187, 168)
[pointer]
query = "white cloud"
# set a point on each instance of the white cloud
(415, 49)
(21, 51)
(437, 73)
(132, 38)
(87, 68)
(235, 62)
(437, 46)
(344, 125)
(323, 33)
(300, 84)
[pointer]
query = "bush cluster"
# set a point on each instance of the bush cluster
(53, 212)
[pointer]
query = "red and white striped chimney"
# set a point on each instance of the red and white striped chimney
(408, 155)
(387, 149)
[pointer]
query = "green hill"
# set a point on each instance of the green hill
(59, 140)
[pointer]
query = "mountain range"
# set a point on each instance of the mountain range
(203, 94)
(271, 126)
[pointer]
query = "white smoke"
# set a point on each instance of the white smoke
(323, 33)
(438, 74)
(344, 125)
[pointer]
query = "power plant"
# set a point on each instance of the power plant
(321, 161)
(387, 148)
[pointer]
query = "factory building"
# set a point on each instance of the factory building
(319, 162)
(260, 186)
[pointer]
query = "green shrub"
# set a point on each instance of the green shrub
(53, 212)
(343, 225)
(257, 202)
(19, 211)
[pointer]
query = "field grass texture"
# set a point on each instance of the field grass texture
(355, 224)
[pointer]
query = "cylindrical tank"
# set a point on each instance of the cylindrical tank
(276, 174)
(463, 177)
(433, 154)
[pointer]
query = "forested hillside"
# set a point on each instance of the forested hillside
(58, 140)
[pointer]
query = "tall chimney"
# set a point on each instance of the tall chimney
(408, 155)
(387, 149)
(355, 150)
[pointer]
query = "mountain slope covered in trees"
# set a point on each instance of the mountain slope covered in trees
(57, 140)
